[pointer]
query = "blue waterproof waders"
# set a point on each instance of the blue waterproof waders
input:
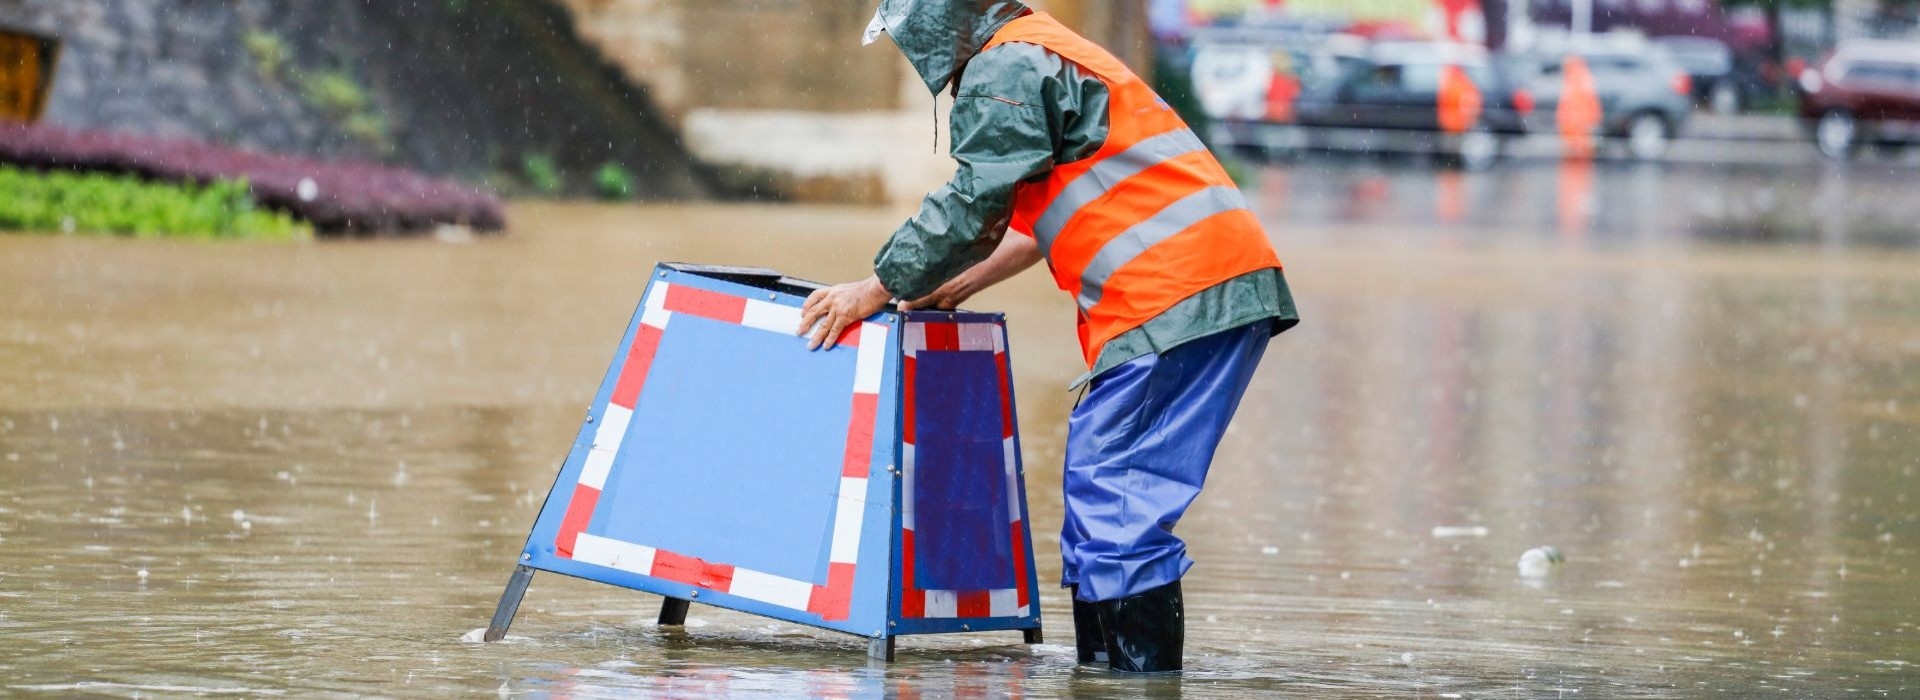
(1138, 448)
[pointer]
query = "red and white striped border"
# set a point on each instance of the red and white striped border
(831, 601)
(1000, 602)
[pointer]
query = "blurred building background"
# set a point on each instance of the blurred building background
(839, 119)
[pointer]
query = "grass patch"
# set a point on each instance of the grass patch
(613, 182)
(543, 174)
(345, 101)
(270, 53)
(124, 205)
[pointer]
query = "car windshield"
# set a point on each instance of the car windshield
(1615, 64)
(1698, 55)
(1422, 77)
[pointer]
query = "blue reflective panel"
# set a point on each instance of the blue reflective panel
(962, 540)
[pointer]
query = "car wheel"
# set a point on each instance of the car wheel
(1835, 134)
(1724, 99)
(1647, 136)
(1478, 149)
(1283, 142)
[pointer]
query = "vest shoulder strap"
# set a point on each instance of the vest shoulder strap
(1043, 30)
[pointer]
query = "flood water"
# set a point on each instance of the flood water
(262, 469)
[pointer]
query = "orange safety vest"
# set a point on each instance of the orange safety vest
(1459, 100)
(1579, 113)
(1148, 220)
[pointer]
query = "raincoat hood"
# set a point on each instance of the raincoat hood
(940, 36)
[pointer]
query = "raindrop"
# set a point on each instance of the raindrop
(1539, 562)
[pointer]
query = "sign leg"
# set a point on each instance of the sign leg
(673, 611)
(881, 649)
(509, 603)
(1032, 635)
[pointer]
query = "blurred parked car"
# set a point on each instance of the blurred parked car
(1645, 96)
(1391, 99)
(1865, 92)
(1718, 81)
(1241, 81)
(1231, 81)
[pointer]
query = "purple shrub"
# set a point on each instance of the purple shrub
(343, 198)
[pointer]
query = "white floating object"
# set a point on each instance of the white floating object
(1459, 531)
(1539, 562)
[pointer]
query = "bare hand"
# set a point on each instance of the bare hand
(947, 298)
(838, 307)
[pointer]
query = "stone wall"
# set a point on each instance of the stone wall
(474, 87)
(468, 87)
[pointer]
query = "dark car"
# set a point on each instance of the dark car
(1389, 99)
(1865, 92)
(1719, 80)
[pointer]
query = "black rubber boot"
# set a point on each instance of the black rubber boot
(1087, 637)
(1145, 632)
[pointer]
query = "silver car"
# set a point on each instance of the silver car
(1645, 96)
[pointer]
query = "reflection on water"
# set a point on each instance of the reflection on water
(324, 457)
(1618, 204)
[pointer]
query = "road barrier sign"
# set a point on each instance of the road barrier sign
(873, 487)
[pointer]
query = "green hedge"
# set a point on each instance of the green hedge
(97, 203)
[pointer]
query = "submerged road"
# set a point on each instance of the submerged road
(307, 468)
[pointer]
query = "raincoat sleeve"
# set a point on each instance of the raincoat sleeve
(1017, 112)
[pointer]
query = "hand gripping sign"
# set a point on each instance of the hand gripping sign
(872, 488)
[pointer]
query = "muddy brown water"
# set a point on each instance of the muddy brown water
(324, 458)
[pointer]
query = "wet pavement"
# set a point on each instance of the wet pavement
(1585, 205)
(261, 469)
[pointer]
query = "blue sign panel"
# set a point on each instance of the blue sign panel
(724, 462)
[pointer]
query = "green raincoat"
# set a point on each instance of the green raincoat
(1018, 111)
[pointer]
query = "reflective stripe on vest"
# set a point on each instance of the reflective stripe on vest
(1177, 217)
(1111, 171)
(1148, 220)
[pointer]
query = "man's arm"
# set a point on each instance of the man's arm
(1015, 254)
(1003, 132)
(1020, 109)
(997, 143)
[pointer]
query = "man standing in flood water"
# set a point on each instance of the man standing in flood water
(1177, 287)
